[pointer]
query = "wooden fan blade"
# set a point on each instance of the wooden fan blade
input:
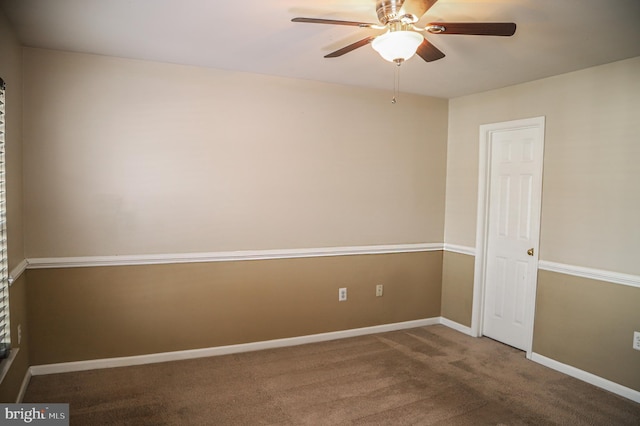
(416, 7)
(332, 22)
(473, 28)
(350, 47)
(429, 52)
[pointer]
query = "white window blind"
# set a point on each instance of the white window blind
(5, 341)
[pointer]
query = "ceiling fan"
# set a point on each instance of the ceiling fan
(403, 38)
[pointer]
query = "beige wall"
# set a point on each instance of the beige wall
(91, 313)
(134, 157)
(11, 73)
(590, 210)
(131, 157)
(457, 287)
(591, 196)
(589, 324)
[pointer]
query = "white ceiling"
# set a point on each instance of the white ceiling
(552, 37)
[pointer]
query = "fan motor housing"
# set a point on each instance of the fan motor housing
(389, 10)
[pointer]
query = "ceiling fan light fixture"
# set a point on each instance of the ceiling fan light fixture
(397, 46)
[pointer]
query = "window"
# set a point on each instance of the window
(5, 340)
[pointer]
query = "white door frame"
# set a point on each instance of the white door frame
(484, 179)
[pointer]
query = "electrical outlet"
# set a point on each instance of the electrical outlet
(342, 294)
(636, 340)
(379, 290)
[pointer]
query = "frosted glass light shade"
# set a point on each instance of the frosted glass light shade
(397, 45)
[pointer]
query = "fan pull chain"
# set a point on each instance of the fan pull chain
(396, 83)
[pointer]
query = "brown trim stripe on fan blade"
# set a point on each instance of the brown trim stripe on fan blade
(350, 47)
(429, 52)
(477, 28)
(332, 22)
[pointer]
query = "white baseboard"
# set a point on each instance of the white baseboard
(457, 326)
(23, 386)
(67, 367)
(598, 381)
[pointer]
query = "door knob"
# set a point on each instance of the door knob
(530, 251)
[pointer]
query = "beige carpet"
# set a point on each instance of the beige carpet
(422, 376)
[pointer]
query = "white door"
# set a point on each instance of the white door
(512, 233)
